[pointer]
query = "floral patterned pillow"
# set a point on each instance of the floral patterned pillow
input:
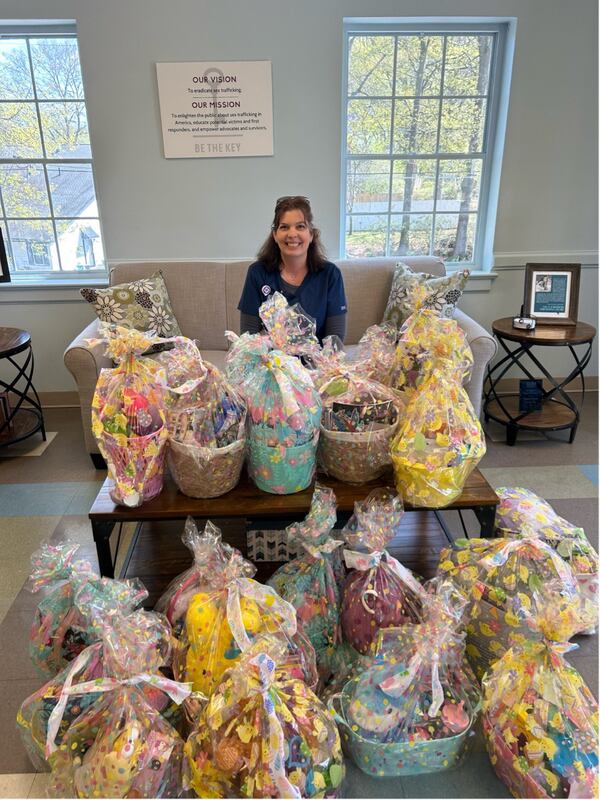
(143, 304)
(413, 290)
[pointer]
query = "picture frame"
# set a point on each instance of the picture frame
(552, 293)
(4, 271)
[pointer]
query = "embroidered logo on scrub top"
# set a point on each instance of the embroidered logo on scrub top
(266, 290)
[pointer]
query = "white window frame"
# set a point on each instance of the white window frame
(43, 30)
(504, 31)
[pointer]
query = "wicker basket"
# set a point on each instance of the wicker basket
(282, 470)
(206, 471)
(383, 760)
(356, 457)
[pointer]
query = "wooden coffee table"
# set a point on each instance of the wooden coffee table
(259, 508)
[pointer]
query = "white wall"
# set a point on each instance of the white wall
(220, 208)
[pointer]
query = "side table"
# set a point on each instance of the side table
(17, 420)
(559, 410)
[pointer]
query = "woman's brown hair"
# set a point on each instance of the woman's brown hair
(269, 252)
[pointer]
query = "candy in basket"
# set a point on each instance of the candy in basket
(379, 592)
(522, 513)
(311, 581)
(128, 417)
(61, 629)
(264, 734)
(413, 710)
(284, 412)
(119, 746)
(439, 441)
(540, 720)
(491, 573)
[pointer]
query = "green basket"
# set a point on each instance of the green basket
(282, 470)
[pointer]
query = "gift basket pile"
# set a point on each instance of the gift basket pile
(206, 419)
(491, 572)
(359, 420)
(439, 441)
(264, 733)
(128, 417)
(540, 719)
(413, 709)
(522, 513)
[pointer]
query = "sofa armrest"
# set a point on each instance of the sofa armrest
(484, 348)
(84, 363)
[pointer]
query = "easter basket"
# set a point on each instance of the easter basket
(206, 471)
(356, 457)
(281, 469)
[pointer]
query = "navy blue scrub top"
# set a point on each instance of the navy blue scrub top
(321, 294)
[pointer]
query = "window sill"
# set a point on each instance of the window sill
(59, 291)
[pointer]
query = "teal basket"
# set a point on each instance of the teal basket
(388, 759)
(282, 470)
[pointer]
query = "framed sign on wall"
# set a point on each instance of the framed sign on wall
(552, 293)
(216, 109)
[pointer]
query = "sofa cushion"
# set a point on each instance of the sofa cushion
(413, 290)
(143, 304)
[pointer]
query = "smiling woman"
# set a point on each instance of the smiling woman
(292, 261)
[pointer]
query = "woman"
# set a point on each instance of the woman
(292, 261)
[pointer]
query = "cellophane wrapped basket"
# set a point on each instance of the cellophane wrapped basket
(128, 417)
(206, 419)
(439, 441)
(217, 609)
(359, 419)
(61, 627)
(289, 327)
(311, 582)
(284, 412)
(540, 720)
(374, 357)
(264, 733)
(413, 710)
(522, 513)
(492, 572)
(379, 592)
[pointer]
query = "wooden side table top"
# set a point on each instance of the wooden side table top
(12, 341)
(552, 335)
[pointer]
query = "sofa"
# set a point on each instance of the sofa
(204, 296)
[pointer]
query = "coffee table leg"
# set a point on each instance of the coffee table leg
(486, 516)
(102, 532)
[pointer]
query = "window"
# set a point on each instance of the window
(425, 108)
(48, 210)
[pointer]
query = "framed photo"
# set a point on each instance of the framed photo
(4, 271)
(552, 293)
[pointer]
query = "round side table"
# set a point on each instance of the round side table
(20, 408)
(559, 411)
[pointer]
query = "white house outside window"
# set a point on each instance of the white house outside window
(425, 108)
(48, 209)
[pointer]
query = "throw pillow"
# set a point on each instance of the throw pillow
(413, 290)
(143, 304)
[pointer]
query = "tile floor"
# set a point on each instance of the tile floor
(49, 492)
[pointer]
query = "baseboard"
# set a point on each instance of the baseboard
(511, 385)
(59, 399)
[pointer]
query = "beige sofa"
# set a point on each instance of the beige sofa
(205, 294)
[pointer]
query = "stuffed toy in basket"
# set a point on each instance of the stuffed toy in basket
(128, 417)
(206, 420)
(522, 513)
(284, 411)
(414, 709)
(492, 572)
(439, 441)
(379, 592)
(264, 734)
(540, 720)
(311, 582)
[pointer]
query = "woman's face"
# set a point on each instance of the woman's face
(292, 235)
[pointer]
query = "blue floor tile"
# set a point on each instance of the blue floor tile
(47, 499)
(590, 471)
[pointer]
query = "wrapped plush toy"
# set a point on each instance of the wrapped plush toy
(413, 710)
(359, 418)
(264, 734)
(128, 417)
(284, 412)
(540, 720)
(119, 745)
(439, 441)
(378, 592)
(61, 628)
(494, 571)
(311, 582)
(522, 513)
